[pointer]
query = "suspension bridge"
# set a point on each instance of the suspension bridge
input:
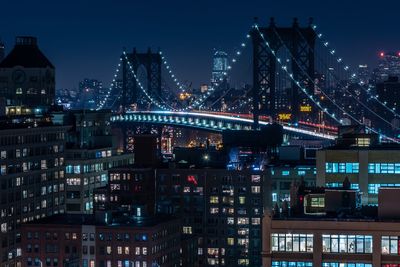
(297, 80)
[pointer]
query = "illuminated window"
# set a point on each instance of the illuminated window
(214, 200)
(255, 189)
(255, 221)
(119, 250)
(351, 264)
(214, 210)
(242, 220)
(384, 168)
(292, 242)
(347, 243)
(242, 200)
(390, 245)
(187, 230)
(230, 241)
(291, 264)
(108, 250)
(255, 178)
(342, 167)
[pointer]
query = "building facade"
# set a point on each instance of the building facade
(80, 240)
(90, 153)
(27, 79)
(367, 168)
(32, 180)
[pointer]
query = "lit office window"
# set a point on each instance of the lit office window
(291, 264)
(339, 185)
(390, 245)
(384, 168)
(347, 243)
(347, 264)
(374, 188)
(342, 167)
(292, 242)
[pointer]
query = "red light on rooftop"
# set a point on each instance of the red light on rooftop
(382, 54)
(398, 54)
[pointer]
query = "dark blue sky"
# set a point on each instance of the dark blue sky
(84, 38)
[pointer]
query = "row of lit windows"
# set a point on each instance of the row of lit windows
(342, 167)
(25, 152)
(330, 243)
(347, 243)
(324, 264)
(292, 242)
(374, 188)
(384, 168)
(243, 221)
(339, 185)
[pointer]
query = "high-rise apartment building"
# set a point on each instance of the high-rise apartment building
(32, 179)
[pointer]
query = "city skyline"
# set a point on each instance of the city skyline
(85, 39)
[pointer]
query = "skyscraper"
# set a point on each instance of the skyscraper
(220, 66)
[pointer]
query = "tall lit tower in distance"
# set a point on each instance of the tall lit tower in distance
(220, 66)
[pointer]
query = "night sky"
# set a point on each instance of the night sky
(85, 38)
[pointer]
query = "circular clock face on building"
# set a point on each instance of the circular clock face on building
(19, 76)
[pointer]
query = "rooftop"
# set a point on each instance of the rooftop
(26, 54)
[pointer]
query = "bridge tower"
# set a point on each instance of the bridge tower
(300, 41)
(131, 92)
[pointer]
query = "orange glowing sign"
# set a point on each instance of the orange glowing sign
(305, 108)
(284, 116)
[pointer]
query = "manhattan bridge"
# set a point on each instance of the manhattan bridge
(298, 80)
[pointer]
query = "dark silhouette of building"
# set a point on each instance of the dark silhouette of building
(27, 79)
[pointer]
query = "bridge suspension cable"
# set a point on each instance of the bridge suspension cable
(171, 73)
(338, 80)
(346, 68)
(325, 110)
(152, 100)
(106, 98)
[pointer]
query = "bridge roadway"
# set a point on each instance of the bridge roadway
(219, 121)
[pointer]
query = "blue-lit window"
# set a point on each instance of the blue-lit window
(346, 264)
(374, 188)
(384, 168)
(300, 173)
(342, 167)
(291, 264)
(285, 173)
(340, 185)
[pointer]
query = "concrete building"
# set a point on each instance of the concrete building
(32, 178)
(27, 79)
(367, 164)
(90, 153)
(340, 237)
(81, 240)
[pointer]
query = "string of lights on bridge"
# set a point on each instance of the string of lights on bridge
(200, 102)
(113, 82)
(152, 100)
(171, 73)
(345, 88)
(346, 68)
(325, 110)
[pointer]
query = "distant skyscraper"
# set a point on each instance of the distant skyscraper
(91, 93)
(363, 74)
(389, 65)
(220, 66)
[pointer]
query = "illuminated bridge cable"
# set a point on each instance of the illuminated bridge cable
(108, 94)
(238, 52)
(332, 115)
(152, 100)
(171, 73)
(346, 68)
(338, 80)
